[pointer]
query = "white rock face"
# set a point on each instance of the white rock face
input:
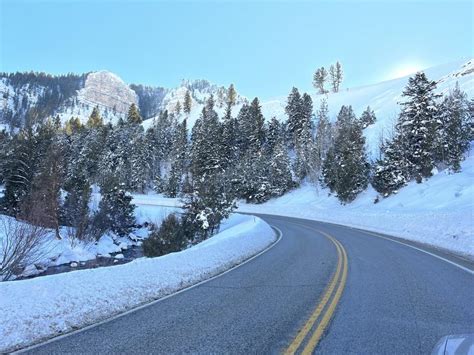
(107, 90)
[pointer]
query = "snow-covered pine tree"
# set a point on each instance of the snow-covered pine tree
(178, 160)
(293, 111)
(274, 135)
(280, 176)
(139, 160)
(20, 167)
(452, 133)
(392, 171)
(349, 170)
(75, 210)
(211, 200)
(187, 103)
(417, 124)
(367, 118)
(324, 137)
(116, 211)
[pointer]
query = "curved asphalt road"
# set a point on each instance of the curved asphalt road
(397, 300)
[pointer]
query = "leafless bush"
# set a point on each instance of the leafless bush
(21, 244)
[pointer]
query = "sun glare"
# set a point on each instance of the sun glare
(405, 69)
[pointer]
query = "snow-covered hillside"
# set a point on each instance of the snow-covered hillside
(112, 95)
(438, 212)
(383, 98)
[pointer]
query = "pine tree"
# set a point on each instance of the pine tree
(177, 109)
(188, 102)
(323, 133)
(274, 134)
(304, 163)
(319, 79)
(116, 211)
(452, 133)
(417, 123)
(392, 170)
(95, 120)
(231, 96)
(336, 75)
(133, 116)
(20, 166)
(279, 172)
(293, 110)
(75, 210)
(367, 118)
(346, 169)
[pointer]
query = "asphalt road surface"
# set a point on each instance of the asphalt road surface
(322, 288)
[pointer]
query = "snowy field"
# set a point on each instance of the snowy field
(438, 212)
(64, 302)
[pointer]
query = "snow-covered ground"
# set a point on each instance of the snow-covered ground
(438, 212)
(66, 301)
(54, 252)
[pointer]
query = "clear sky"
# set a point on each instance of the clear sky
(264, 47)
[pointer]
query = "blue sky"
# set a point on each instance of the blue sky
(264, 48)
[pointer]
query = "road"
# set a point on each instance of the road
(322, 288)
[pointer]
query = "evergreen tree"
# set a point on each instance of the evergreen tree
(274, 134)
(336, 75)
(452, 133)
(293, 111)
(75, 210)
(417, 124)
(188, 102)
(95, 120)
(279, 172)
(323, 133)
(319, 79)
(346, 170)
(116, 208)
(391, 172)
(20, 166)
(304, 163)
(177, 109)
(133, 116)
(367, 118)
(231, 98)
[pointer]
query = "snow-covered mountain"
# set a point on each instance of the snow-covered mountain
(27, 95)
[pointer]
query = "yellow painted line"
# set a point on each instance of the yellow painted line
(318, 333)
(295, 344)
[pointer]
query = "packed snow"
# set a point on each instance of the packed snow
(64, 302)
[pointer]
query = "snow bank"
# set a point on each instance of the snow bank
(438, 212)
(38, 308)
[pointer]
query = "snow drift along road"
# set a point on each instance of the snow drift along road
(38, 308)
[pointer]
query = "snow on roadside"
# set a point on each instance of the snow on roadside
(439, 212)
(42, 307)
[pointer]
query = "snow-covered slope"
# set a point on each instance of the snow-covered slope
(438, 212)
(113, 96)
(383, 98)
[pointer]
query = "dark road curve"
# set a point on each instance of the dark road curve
(396, 300)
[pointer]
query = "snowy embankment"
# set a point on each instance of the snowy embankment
(439, 212)
(31, 310)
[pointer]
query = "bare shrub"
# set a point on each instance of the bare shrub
(21, 244)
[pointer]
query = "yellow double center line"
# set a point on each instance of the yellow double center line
(331, 295)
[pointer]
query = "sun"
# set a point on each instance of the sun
(405, 69)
